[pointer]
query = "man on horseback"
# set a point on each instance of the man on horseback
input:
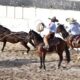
(74, 29)
(52, 30)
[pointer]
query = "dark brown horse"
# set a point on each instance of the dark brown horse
(56, 44)
(15, 37)
(74, 42)
(4, 31)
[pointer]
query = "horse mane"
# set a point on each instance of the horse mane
(2, 28)
(38, 36)
(63, 31)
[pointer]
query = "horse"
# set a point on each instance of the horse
(4, 31)
(74, 43)
(59, 47)
(15, 37)
(6, 35)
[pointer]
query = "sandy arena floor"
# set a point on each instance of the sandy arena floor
(16, 64)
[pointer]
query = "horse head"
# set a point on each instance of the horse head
(35, 37)
(61, 29)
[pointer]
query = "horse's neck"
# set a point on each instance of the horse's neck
(38, 40)
(65, 34)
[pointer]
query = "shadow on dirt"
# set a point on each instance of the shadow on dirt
(19, 62)
(16, 62)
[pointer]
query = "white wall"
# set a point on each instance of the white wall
(23, 19)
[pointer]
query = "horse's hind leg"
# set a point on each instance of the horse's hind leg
(25, 45)
(60, 59)
(4, 44)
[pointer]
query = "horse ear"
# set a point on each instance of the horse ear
(30, 29)
(58, 24)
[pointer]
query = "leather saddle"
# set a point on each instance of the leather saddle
(75, 40)
(53, 41)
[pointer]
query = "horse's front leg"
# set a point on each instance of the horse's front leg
(25, 45)
(60, 59)
(44, 61)
(40, 62)
(4, 44)
(32, 43)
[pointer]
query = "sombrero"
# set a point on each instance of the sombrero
(70, 20)
(53, 19)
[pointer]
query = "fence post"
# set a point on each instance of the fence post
(14, 12)
(6, 11)
(22, 11)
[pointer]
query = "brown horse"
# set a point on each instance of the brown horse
(4, 31)
(56, 44)
(74, 42)
(16, 37)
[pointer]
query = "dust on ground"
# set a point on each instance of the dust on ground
(16, 64)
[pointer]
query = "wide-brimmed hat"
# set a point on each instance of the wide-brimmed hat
(71, 20)
(53, 19)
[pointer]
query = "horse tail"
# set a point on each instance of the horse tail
(67, 53)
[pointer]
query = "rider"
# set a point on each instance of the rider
(52, 30)
(74, 28)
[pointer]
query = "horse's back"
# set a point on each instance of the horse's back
(20, 34)
(56, 40)
(15, 37)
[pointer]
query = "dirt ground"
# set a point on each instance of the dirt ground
(16, 64)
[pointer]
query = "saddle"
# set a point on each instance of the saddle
(75, 40)
(53, 41)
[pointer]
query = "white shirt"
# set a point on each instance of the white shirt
(52, 27)
(74, 28)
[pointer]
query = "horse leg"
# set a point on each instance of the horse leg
(44, 61)
(67, 54)
(25, 45)
(4, 44)
(40, 62)
(60, 59)
(31, 43)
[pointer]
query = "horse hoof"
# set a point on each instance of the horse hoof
(58, 67)
(1, 50)
(40, 67)
(44, 68)
(27, 51)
